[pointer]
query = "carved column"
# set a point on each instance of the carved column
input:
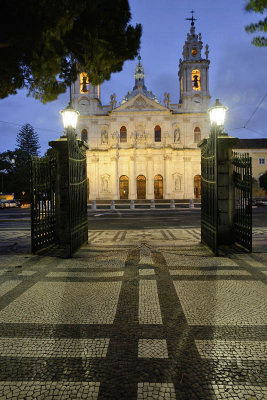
(115, 160)
(167, 177)
(150, 178)
(94, 179)
(188, 179)
(132, 179)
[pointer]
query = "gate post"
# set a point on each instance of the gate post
(62, 226)
(63, 223)
(225, 207)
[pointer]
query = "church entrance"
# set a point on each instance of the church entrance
(197, 186)
(158, 187)
(141, 187)
(124, 187)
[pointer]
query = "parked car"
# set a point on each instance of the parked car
(3, 203)
(9, 203)
(262, 202)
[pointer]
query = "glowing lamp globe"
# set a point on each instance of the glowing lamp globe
(217, 113)
(69, 117)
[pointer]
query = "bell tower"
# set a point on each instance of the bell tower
(83, 87)
(85, 96)
(194, 73)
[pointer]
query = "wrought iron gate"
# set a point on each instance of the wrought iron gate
(43, 199)
(54, 222)
(242, 178)
(78, 223)
(209, 208)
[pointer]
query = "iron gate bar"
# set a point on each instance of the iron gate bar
(242, 178)
(43, 179)
(209, 189)
(78, 222)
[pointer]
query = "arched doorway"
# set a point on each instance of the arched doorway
(141, 187)
(197, 186)
(158, 187)
(124, 187)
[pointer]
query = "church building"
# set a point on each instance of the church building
(139, 148)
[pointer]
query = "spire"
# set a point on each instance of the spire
(139, 75)
(193, 45)
(139, 87)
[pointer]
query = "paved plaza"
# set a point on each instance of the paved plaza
(136, 314)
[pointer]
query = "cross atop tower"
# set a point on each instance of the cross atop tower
(192, 19)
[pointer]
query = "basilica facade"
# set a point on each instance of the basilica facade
(139, 148)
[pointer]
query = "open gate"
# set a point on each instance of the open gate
(78, 222)
(209, 208)
(58, 197)
(43, 201)
(242, 179)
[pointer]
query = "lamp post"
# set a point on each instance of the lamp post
(69, 117)
(217, 117)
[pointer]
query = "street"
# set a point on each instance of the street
(19, 218)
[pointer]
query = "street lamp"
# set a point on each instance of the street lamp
(69, 117)
(217, 113)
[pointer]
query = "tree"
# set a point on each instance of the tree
(263, 181)
(28, 141)
(258, 6)
(45, 43)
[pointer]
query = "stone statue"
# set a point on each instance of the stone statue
(207, 51)
(104, 137)
(176, 135)
(115, 138)
(104, 183)
(113, 101)
(167, 99)
(177, 183)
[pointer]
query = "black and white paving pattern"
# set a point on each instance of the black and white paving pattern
(134, 316)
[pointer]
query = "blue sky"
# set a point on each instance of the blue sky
(237, 69)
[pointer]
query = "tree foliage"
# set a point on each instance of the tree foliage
(258, 6)
(28, 141)
(15, 165)
(45, 43)
(263, 181)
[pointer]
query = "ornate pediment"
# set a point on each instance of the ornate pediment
(140, 103)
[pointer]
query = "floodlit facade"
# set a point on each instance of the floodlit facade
(139, 148)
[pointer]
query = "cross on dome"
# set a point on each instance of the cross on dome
(192, 19)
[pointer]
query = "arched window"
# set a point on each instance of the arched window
(195, 77)
(197, 135)
(141, 187)
(123, 134)
(157, 131)
(84, 81)
(84, 135)
(197, 186)
(124, 187)
(158, 187)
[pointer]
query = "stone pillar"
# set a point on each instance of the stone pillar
(115, 160)
(225, 189)
(132, 179)
(150, 179)
(62, 226)
(167, 177)
(188, 178)
(95, 178)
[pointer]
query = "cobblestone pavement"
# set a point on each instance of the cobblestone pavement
(135, 315)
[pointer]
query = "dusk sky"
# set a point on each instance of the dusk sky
(237, 68)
